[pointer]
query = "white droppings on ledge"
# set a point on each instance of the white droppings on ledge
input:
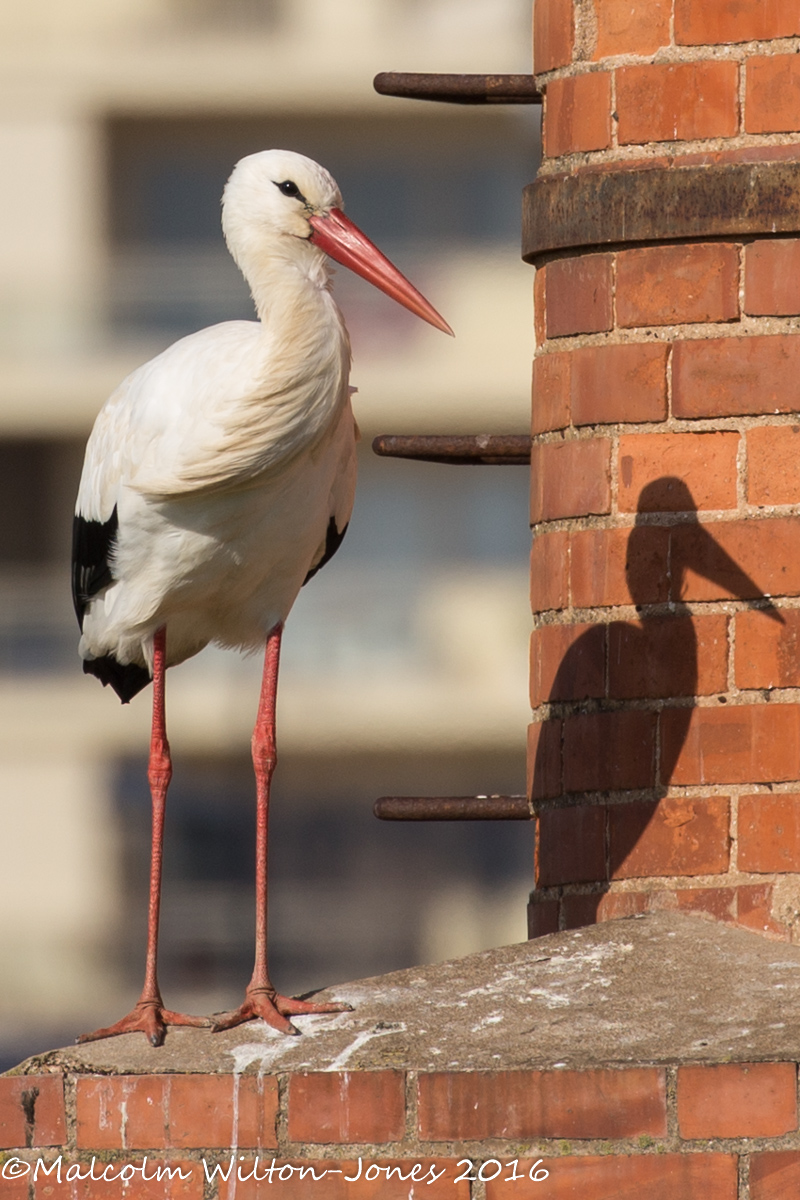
(265, 1053)
(360, 1040)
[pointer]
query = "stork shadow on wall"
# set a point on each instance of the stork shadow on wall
(654, 659)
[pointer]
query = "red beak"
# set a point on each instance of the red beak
(344, 241)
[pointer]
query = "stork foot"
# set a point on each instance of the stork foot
(270, 1006)
(150, 1018)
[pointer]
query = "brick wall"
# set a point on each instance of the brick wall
(676, 1132)
(665, 744)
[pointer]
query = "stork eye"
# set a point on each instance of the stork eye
(290, 189)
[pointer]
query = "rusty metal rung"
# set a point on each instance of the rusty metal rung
(459, 89)
(480, 449)
(453, 808)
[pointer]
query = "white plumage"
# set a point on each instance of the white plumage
(227, 456)
(218, 478)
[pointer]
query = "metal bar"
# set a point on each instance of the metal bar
(453, 808)
(652, 204)
(459, 89)
(504, 449)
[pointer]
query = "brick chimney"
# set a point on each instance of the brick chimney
(665, 662)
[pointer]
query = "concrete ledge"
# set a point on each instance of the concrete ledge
(653, 1055)
(662, 988)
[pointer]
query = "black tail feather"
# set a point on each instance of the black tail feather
(127, 680)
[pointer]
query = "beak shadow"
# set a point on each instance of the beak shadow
(693, 548)
(710, 560)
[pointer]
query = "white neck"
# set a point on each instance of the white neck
(281, 279)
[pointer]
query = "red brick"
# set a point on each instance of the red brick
(625, 1177)
(16, 1189)
(729, 377)
(122, 1112)
(542, 918)
(201, 1110)
(181, 1180)
(771, 152)
(772, 95)
(577, 115)
(582, 909)
(775, 1175)
(528, 1104)
(664, 493)
(578, 298)
(83, 1189)
(749, 906)
(609, 751)
(675, 285)
(257, 1105)
(603, 562)
(551, 387)
(671, 747)
(772, 277)
(539, 305)
(674, 836)
(773, 465)
(570, 846)
(769, 833)
(754, 910)
(741, 744)
(549, 571)
(616, 905)
(703, 462)
(737, 1100)
(567, 663)
(668, 656)
(631, 26)
(719, 903)
(86, 1189)
(544, 760)
(618, 383)
(723, 21)
(677, 102)
(767, 652)
(553, 34)
(745, 559)
(331, 1182)
(43, 1095)
(345, 1106)
(570, 479)
(186, 1111)
(189, 1185)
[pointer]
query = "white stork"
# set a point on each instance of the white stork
(218, 479)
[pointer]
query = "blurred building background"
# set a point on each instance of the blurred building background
(405, 661)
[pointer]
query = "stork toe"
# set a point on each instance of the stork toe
(273, 1008)
(148, 1017)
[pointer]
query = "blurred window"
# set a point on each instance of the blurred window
(38, 481)
(456, 178)
(349, 896)
(229, 14)
(431, 185)
(38, 484)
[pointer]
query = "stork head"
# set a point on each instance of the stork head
(280, 201)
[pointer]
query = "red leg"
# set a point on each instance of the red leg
(261, 998)
(149, 1015)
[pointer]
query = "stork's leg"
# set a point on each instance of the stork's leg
(261, 998)
(149, 1016)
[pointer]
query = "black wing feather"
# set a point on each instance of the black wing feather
(333, 540)
(127, 679)
(92, 547)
